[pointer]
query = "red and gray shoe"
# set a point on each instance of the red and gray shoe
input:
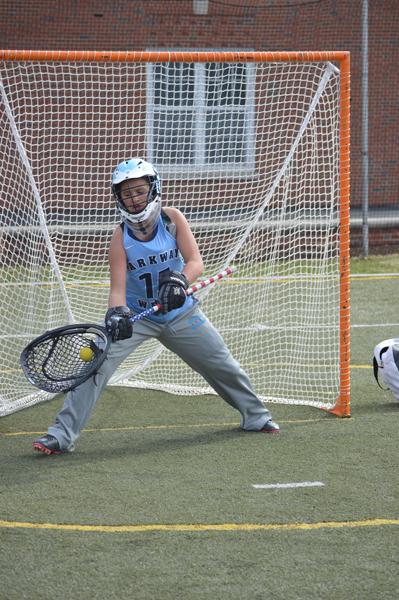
(48, 444)
(270, 427)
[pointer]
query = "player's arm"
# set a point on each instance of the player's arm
(187, 245)
(117, 319)
(173, 284)
(117, 267)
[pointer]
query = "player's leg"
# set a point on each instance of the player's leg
(200, 345)
(79, 403)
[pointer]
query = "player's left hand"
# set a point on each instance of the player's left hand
(172, 290)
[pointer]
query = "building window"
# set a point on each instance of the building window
(201, 117)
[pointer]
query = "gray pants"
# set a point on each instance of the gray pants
(192, 337)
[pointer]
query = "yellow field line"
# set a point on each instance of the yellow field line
(371, 277)
(236, 281)
(173, 426)
(193, 527)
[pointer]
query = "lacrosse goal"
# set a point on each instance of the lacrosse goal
(252, 147)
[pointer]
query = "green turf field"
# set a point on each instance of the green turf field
(158, 501)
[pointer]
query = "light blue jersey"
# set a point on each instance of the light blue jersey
(145, 261)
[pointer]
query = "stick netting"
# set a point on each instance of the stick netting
(249, 153)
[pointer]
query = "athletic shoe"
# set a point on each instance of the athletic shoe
(48, 444)
(270, 427)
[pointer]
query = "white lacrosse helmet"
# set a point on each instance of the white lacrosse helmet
(134, 168)
(386, 364)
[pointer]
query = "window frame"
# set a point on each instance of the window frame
(199, 167)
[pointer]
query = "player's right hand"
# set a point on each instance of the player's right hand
(118, 323)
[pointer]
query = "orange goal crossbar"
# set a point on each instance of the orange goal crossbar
(164, 56)
(342, 405)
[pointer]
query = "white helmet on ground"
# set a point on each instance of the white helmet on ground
(134, 168)
(386, 364)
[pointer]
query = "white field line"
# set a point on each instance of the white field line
(259, 327)
(301, 484)
(375, 325)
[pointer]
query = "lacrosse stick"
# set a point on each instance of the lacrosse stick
(63, 358)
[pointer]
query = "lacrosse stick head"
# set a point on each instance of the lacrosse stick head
(54, 362)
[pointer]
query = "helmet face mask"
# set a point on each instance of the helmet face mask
(142, 220)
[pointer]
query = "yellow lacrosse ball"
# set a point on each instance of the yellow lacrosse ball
(86, 354)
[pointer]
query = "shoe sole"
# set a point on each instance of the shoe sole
(42, 448)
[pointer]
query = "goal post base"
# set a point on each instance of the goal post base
(341, 408)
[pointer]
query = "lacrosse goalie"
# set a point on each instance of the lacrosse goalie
(154, 258)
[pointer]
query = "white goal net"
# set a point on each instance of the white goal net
(248, 151)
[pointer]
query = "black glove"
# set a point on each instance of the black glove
(118, 323)
(172, 286)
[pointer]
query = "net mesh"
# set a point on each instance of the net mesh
(249, 153)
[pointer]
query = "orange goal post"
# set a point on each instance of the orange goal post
(253, 147)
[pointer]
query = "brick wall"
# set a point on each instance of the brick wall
(256, 24)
